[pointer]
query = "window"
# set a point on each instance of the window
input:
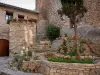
(9, 16)
(21, 16)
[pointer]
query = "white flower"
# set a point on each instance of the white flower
(26, 50)
(22, 52)
(33, 54)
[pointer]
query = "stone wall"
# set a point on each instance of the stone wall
(22, 36)
(92, 17)
(41, 29)
(48, 12)
(4, 32)
(52, 68)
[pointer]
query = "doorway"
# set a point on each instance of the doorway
(4, 47)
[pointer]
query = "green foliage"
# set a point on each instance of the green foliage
(63, 47)
(72, 7)
(83, 41)
(73, 53)
(75, 10)
(29, 53)
(52, 32)
(68, 47)
(85, 61)
(18, 61)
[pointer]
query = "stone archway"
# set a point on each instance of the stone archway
(4, 40)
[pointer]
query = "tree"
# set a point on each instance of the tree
(73, 9)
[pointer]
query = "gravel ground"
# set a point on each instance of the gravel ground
(4, 70)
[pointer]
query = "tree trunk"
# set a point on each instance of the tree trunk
(76, 38)
(78, 52)
(75, 30)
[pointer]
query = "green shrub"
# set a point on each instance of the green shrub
(17, 61)
(29, 53)
(52, 32)
(83, 41)
(73, 53)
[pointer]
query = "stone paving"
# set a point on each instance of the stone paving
(4, 70)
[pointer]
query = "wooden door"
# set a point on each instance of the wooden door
(4, 47)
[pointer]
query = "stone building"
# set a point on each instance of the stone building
(48, 13)
(18, 27)
(8, 12)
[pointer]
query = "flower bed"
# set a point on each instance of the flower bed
(88, 61)
(26, 62)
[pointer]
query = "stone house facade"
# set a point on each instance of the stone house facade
(13, 12)
(18, 26)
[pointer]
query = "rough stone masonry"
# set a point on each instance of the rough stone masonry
(22, 35)
(55, 68)
(48, 14)
(48, 11)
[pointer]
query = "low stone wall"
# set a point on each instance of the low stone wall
(52, 68)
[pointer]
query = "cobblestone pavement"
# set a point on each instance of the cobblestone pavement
(4, 70)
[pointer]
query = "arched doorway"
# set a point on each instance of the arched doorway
(4, 47)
